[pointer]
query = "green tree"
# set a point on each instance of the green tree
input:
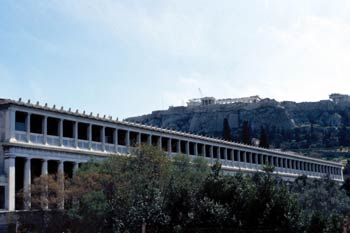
(121, 193)
(323, 203)
(185, 180)
(214, 198)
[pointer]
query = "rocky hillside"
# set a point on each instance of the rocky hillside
(289, 125)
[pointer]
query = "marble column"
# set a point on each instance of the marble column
(116, 140)
(178, 146)
(11, 135)
(60, 128)
(244, 157)
(44, 168)
(26, 183)
(169, 146)
(45, 130)
(75, 168)
(204, 151)
(138, 139)
(103, 138)
(28, 126)
(149, 139)
(211, 151)
(44, 196)
(90, 136)
(160, 142)
(187, 148)
(127, 138)
(75, 133)
(10, 193)
(61, 183)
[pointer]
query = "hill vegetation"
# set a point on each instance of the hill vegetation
(315, 128)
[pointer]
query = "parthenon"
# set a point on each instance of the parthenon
(205, 101)
(37, 140)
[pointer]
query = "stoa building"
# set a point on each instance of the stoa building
(38, 140)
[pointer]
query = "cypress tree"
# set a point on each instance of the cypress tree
(226, 132)
(246, 133)
(263, 138)
(343, 136)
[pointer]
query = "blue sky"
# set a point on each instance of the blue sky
(127, 58)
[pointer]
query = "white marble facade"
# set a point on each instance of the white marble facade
(43, 138)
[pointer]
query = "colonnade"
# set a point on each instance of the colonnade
(105, 136)
(21, 177)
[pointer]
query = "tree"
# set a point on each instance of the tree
(343, 136)
(185, 180)
(45, 193)
(271, 207)
(121, 193)
(346, 186)
(263, 138)
(226, 133)
(246, 138)
(324, 204)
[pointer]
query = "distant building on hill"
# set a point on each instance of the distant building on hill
(339, 98)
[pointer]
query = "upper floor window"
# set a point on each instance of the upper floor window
(68, 127)
(109, 135)
(83, 129)
(96, 133)
(36, 124)
(20, 122)
(52, 126)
